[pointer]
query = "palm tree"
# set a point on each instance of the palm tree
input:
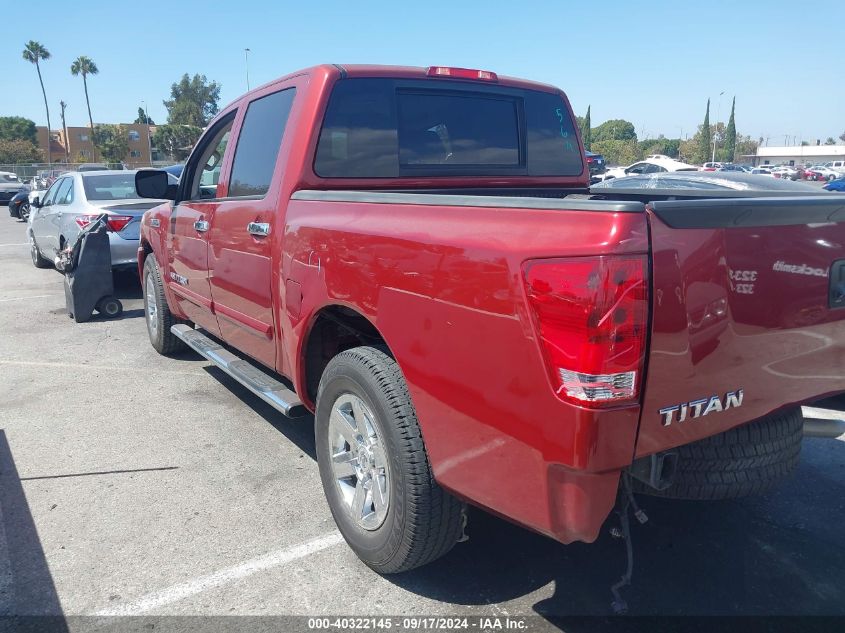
(34, 52)
(86, 66)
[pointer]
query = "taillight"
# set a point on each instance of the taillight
(115, 223)
(590, 313)
(118, 222)
(461, 73)
(85, 220)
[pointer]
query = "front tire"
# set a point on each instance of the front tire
(374, 467)
(157, 313)
(37, 260)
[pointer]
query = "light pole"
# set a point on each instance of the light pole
(149, 136)
(246, 60)
(718, 112)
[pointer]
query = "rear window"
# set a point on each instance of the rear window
(110, 186)
(387, 128)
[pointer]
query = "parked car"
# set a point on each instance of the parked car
(787, 171)
(446, 365)
(836, 185)
(836, 165)
(734, 183)
(596, 163)
(74, 201)
(762, 171)
(711, 166)
(9, 186)
(19, 204)
(175, 170)
(648, 166)
(826, 173)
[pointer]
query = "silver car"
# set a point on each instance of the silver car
(74, 201)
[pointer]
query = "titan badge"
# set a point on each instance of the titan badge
(700, 408)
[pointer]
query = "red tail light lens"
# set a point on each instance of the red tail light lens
(85, 220)
(590, 313)
(118, 222)
(461, 73)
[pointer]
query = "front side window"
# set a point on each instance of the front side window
(388, 128)
(203, 170)
(51, 193)
(258, 146)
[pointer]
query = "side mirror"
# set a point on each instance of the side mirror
(36, 202)
(154, 183)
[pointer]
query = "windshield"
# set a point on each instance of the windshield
(110, 186)
(383, 128)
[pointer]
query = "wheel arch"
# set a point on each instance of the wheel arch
(332, 329)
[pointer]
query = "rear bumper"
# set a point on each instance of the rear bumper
(124, 253)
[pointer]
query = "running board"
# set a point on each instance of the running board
(259, 382)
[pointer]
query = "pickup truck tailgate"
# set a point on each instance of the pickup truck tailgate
(748, 313)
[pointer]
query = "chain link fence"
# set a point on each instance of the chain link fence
(27, 172)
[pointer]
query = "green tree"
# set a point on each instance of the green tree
(730, 135)
(830, 141)
(659, 145)
(193, 101)
(17, 128)
(14, 151)
(176, 141)
(745, 146)
(34, 52)
(586, 131)
(143, 119)
(704, 141)
(113, 141)
(614, 130)
(842, 137)
(617, 152)
(85, 66)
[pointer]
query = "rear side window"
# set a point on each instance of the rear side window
(387, 128)
(258, 144)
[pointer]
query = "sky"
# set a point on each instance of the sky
(654, 64)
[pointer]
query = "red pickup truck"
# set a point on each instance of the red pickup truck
(414, 255)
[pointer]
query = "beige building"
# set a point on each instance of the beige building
(77, 146)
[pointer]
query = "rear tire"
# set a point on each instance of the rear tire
(157, 313)
(745, 460)
(416, 521)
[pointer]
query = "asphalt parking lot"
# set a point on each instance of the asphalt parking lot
(132, 484)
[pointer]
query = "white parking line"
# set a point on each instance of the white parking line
(224, 576)
(32, 297)
(20, 244)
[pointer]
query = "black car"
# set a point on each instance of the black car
(19, 204)
(596, 163)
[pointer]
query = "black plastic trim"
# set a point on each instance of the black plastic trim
(749, 212)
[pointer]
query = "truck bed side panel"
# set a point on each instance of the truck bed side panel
(443, 284)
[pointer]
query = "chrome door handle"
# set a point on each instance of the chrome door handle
(261, 229)
(201, 226)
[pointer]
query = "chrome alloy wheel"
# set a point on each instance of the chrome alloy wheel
(152, 306)
(359, 462)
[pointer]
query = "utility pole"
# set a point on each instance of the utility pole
(149, 136)
(246, 59)
(64, 127)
